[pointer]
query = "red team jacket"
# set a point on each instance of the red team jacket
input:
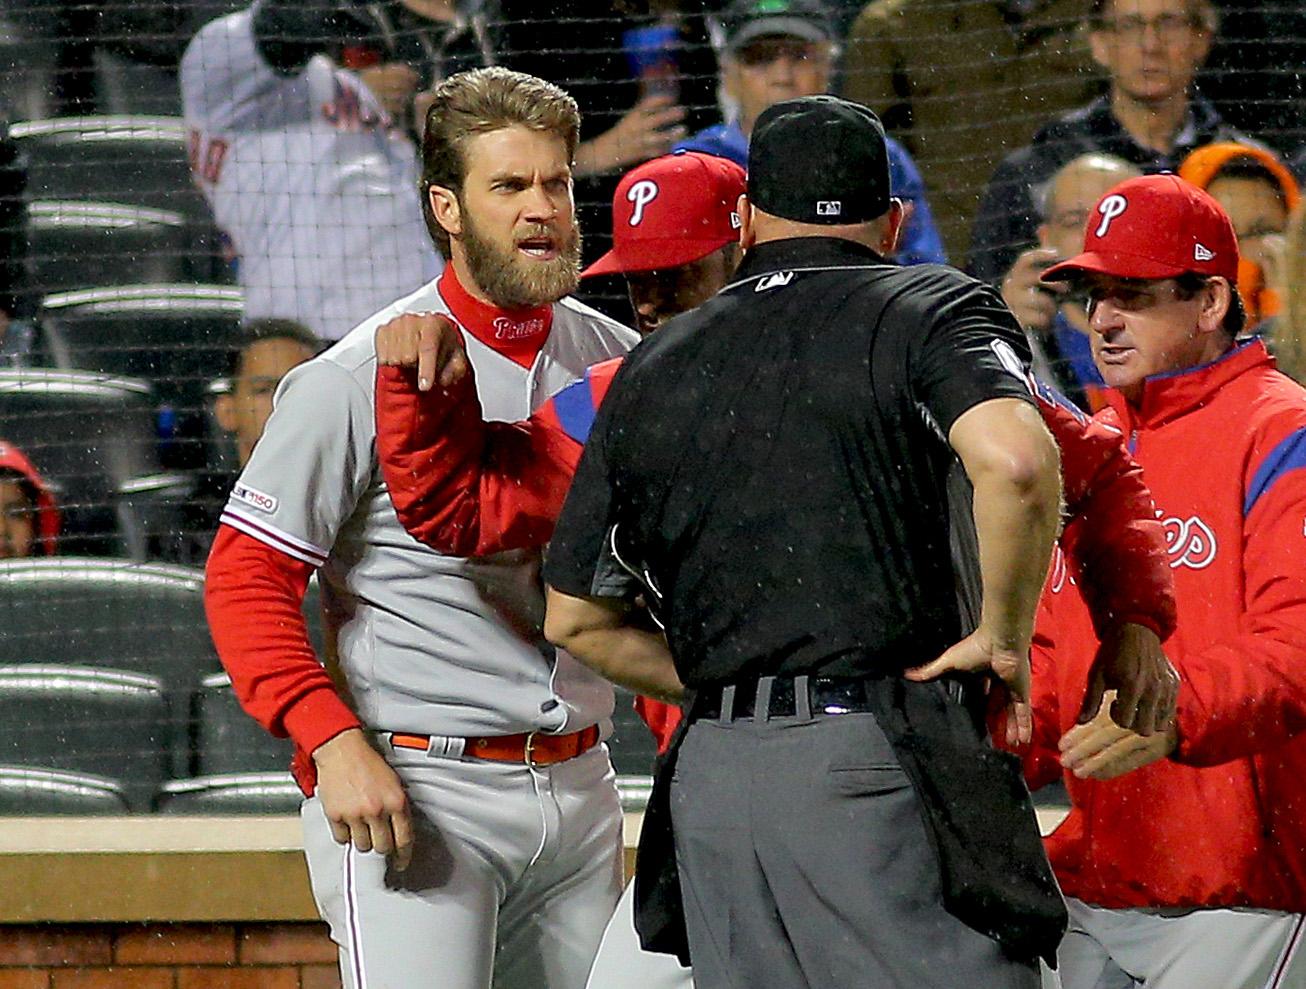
(1222, 823)
(468, 487)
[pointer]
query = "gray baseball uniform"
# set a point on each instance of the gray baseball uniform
(308, 177)
(516, 870)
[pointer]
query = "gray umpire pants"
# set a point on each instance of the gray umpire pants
(804, 864)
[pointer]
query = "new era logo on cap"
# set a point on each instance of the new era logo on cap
(1153, 227)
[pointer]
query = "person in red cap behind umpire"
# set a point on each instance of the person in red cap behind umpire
(1190, 872)
(675, 234)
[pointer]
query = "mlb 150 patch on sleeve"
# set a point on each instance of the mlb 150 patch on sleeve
(254, 498)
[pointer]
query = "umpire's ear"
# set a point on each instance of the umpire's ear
(747, 228)
(446, 209)
(891, 229)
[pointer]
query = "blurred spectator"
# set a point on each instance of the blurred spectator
(1054, 318)
(1259, 194)
(1151, 116)
(29, 518)
(635, 103)
(309, 167)
(270, 348)
(1287, 330)
(964, 82)
(782, 49)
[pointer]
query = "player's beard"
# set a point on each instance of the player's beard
(514, 283)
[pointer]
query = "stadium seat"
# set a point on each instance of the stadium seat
(132, 159)
(75, 244)
(239, 793)
(27, 792)
(136, 160)
(177, 337)
(142, 618)
(109, 723)
(89, 435)
(227, 740)
(632, 745)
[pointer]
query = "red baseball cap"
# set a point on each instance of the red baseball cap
(1156, 226)
(671, 211)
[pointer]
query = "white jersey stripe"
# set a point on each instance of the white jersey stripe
(270, 537)
(354, 934)
(1290, 949)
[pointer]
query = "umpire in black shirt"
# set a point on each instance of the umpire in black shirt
(768, 476)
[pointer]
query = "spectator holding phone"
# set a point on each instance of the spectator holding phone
(1054, 319)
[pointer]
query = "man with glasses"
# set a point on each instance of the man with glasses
(1151, 117)
(783, 49)
(1053, 319)
(1190, 872)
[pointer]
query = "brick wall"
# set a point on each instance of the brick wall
(167, 956)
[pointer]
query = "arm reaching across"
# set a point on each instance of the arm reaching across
(1011, 461)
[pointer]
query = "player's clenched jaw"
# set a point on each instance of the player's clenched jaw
(514, 237)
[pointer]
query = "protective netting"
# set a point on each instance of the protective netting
(171, 173)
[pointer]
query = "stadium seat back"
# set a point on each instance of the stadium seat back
(112, 614)
(241, 793)
(108, 723)
(27, 792)
(177, 337)
(88, 435)
(227, 740)
(75, 244)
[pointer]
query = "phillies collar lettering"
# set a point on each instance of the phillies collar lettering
(517, 334)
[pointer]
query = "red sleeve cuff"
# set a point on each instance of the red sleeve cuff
(317, 717)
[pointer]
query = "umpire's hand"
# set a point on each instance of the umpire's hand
(428, 341)
(979, 651)
(362, 797)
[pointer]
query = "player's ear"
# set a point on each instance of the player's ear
(446, 210)
(224, 411)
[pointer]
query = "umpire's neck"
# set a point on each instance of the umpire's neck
(880, 234)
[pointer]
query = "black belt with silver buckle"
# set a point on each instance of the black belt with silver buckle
(825, 695)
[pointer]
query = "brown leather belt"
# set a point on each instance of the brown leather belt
(533, 748)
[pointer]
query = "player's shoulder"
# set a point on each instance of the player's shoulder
(575, 313)
(1272, 405)
(592, 335)
(212, 45)
(355, 352)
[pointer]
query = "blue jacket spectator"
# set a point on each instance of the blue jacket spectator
(783, 49)
(921, 243)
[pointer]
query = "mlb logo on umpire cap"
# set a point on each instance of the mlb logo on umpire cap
(828, 207)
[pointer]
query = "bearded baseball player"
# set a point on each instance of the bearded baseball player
(305, 163)
(462, 825)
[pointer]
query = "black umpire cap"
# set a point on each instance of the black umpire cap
(819, 159)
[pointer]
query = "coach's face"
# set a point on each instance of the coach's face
(512, 228)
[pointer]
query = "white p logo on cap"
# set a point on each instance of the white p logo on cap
(641, 194)
(1110, 207)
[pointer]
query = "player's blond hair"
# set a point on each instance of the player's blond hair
(477, 102)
